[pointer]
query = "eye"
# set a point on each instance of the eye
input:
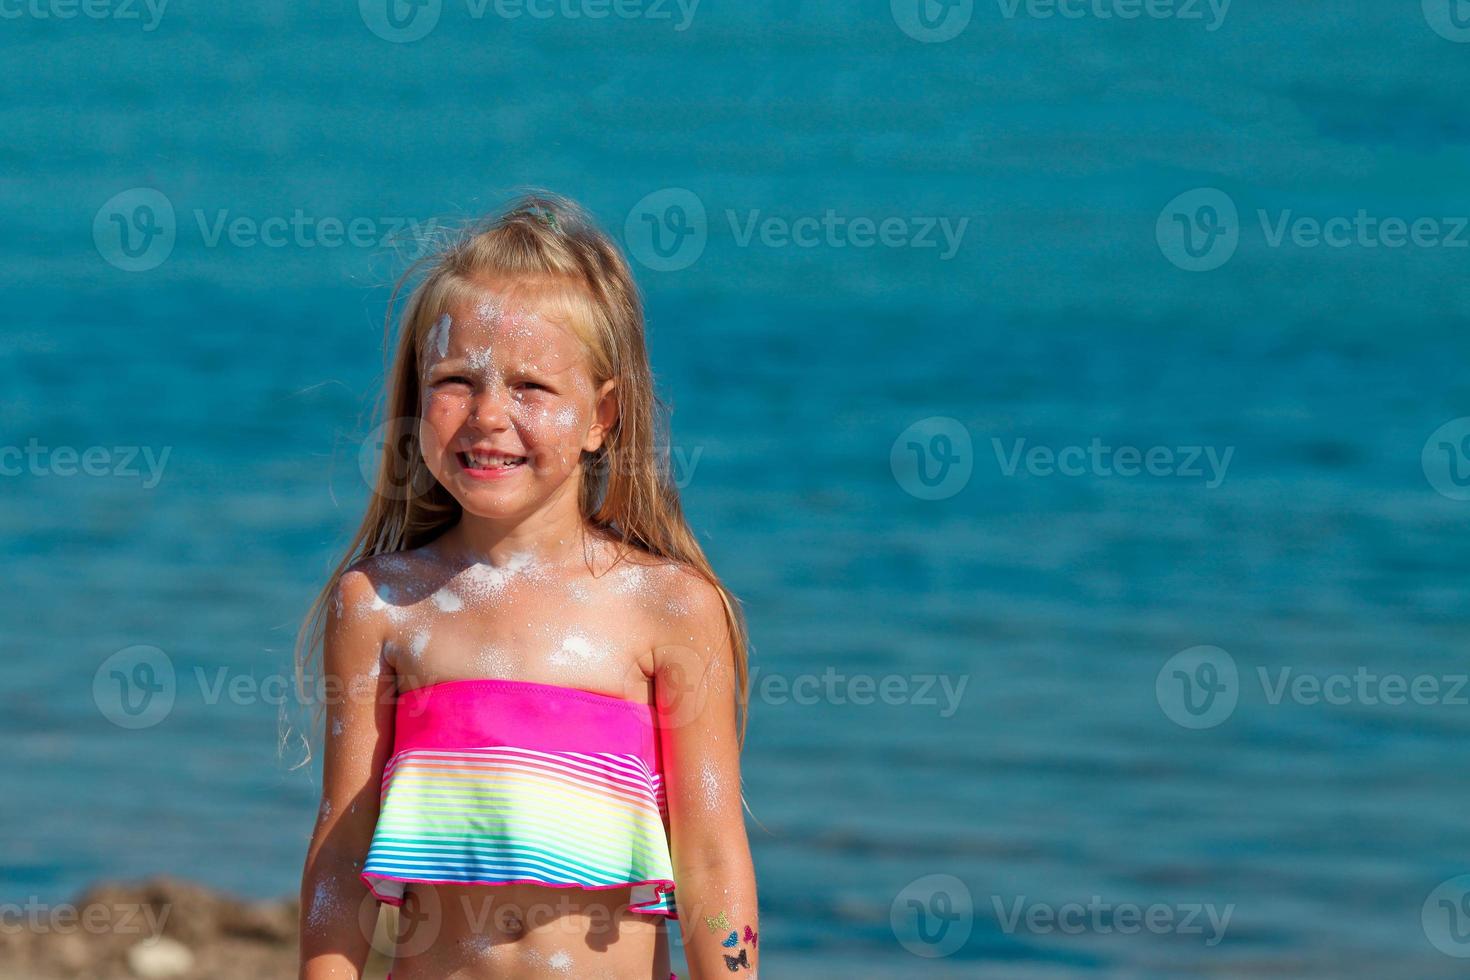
(453, 379)
(531, 386)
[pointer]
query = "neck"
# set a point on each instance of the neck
(554, 536)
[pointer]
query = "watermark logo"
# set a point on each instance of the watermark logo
(933, 458)
(932, 21)
(933, 915)
(667, 230)
(136, 229)
(681, 685)
(1450, 19)
(135, 687)
(1198, 687)
(400, 21)
(1201, 687)
(1199, 230)
(1446, 917)
(418, 923)
(392, 450)
(1446, 459)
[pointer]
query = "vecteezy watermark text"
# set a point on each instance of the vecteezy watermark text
(89, 9)
(833, 230)
(1363, 686)
(301, 230)
(1200, 230)
(405, 21)
(92, 918)
(936, 21)
(35, 459)
(654, 10)
(1099, 459)
(136, 230)
(1211, 12)
(834, 687)
(1200, 687)
(1099, 917)
(668, 229)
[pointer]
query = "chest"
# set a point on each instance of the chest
(583, 634)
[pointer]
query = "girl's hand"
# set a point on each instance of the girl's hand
(695, 693)
(337, 910)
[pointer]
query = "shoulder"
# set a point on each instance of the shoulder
(696, 665)
(393, 579)
(676, 586)
(354, 587)
(672, 590)
(693, 595)
(369, 591)
(355, 614)
(692, 605)
(396, 564)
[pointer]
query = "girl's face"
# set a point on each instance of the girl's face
(508, 407)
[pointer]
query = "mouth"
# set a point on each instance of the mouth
(489, 465)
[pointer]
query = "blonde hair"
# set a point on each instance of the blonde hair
(546, 247)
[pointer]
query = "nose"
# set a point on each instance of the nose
(489, 409)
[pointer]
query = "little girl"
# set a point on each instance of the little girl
(534, 682)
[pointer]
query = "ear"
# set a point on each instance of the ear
(604, 416)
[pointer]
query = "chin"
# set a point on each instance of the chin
(492, 505)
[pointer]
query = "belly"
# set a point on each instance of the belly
(479, 932)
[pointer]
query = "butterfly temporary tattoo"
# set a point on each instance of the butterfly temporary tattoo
(731, 939)
(733, 963)
(717, 923)
(751, 936)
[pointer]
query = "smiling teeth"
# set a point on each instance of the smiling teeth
(480, 462)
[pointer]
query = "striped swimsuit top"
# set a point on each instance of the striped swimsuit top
(496, 782)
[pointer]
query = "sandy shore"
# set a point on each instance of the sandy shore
(160, 929)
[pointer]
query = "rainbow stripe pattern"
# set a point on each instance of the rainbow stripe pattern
(495, 782)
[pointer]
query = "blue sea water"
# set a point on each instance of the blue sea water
(1060, 780)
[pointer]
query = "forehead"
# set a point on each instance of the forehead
(510, 331)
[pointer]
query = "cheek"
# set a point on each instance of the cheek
(451, 405)
(443, 414)
(551, 423)
(556, 429)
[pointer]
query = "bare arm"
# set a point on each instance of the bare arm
(715, 879)
(337, 911)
